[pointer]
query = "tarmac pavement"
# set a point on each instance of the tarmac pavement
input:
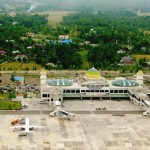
(123, 128)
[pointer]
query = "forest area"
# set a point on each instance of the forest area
(93, 39)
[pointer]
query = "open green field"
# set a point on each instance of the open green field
(4, 96)
(147, 32)
(9, 105)
(55, 17)
(138, 57)
(85, 64)
(20, 66)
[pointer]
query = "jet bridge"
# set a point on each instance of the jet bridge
(147, 103)
(62, 114)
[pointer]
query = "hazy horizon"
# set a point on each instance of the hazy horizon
(77, 4)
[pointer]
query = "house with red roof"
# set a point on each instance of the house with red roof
(2, 52)
(30, 34)
(127, 60)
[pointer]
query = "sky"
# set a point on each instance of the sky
(113, 2)
(101, 3)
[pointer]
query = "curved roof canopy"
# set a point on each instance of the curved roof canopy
(93, 74)
(125, 83)
(59, 82)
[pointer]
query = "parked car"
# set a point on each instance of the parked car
(41, 102)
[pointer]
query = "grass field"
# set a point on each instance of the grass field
(20, 66)
(9, 105)
(55, 17)
(147, 32)
(138, 57)
(85, 64)
(4, 96)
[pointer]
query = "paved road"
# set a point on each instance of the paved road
(34, 112)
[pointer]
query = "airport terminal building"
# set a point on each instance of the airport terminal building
(92, 86)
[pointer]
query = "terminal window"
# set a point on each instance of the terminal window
(67, 91)
(72, 91)
(44, 95)
(116, 91)
(125, 91)
(77, 91)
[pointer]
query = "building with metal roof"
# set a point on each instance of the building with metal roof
(66, 41)
(19, 79)
(2, 52)
(92, 86)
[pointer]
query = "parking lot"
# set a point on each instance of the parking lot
(20, 88)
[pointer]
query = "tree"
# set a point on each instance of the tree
(76, 61)
(25, 95)
(12, 93)
(103, 56)
(12, 78)
(142, 61)
(68, 57)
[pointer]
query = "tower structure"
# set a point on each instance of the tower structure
(139, 77)
(43, 77)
